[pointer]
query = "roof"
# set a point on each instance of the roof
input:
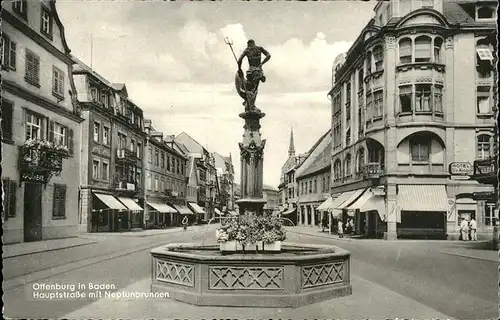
(82, 67)
(221, 161)
(190, 144)
(322, 161)
(454, 13)
(118, 86)
(268, 187)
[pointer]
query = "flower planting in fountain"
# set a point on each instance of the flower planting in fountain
(263, 230)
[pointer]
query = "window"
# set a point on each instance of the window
(105, 135)
(378, 56)
(348, 101)
(368, 63)
(377, 103)
(104, 99)
(360, 79)
(182, 167)
(420, 151)
(168, 163)
(122, 141)
(369, 107)
(132, 145)
(157, 157)
(97, 130)
(58, 82)
(7, 109)
(315, 186)
(485, 13)
(8, 52)
(405, 99)
(310, 187)
(150, 155)
(105, 171)
(21, 8)
(483, 147)
(156, 183)
(150, 182)
(177, 164)
(438, 99)
(361, 160)
(46, 22)
(9, 201)
(438, 44)
(59, 202)
(484, 100)
(58, 133)
(348, 137)
(423, 97)
(95, 169)
(489, 214)
(484, 59)
(423, 49)
(32, 75)
(347, 165)
(163, 159)
(361, 122)
(337, 169)
(94, 94)
(138, 177)
(405, 51)
(139, 150)
(34, 126)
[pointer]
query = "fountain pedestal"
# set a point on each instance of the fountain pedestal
(252, 159)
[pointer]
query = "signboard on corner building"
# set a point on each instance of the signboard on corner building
(463, 169)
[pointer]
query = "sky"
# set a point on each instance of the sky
(177, 68)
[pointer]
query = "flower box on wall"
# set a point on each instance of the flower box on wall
(251, 247)
(229, 246)
(274, 246)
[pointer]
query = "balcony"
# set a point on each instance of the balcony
(372, 170)
(485, 171)
(124, 155)
(39, 161)
(171, 193)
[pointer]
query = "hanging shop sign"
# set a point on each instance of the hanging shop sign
(461, 169)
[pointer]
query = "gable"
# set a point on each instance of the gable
(423, 19)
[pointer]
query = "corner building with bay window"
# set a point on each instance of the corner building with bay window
(413, 96)
(40, 125)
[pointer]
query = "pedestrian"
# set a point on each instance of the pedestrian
(185, 222)
(324, 223)
(341, 230)
(473, 229)
(464, 229)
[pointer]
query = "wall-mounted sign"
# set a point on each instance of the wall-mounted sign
(484, 195)
(33, 176)
(484, 167)
(461, 169)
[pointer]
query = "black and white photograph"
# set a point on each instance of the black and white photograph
(250, 159)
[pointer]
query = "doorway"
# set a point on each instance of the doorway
(32, 212)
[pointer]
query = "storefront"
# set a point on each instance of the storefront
(199, 211)
(160, 214)
(108, 213)
(135, 215)
(369, 213)
(183, 211)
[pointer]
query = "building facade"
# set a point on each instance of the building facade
(225, 179)
(112, 153)
(412, 108)
(270, 195)
(287, 196)
(40, 125)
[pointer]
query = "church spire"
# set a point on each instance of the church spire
(291, 149)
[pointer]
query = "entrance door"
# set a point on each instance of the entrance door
(32, 212)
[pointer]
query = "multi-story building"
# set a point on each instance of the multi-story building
(286, 188)
(40, 125)
(112, 173)
(165, 181)
(313, 181)
(225, 177)
(412, 108)
(270, 195)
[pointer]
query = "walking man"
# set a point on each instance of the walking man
(341, 230)
(464, 229)
(473, 229)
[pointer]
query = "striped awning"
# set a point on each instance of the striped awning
(182, 209)
(423, 198)
(368, 202)
(327, 204)
(353, 195)
(110, 201)
(161, 207)
(130, 204)
(196, 208)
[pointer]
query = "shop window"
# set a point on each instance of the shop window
(405, 51)
(423, 97)
(405, 99)
(378, 57)
(483, 147)
(438, 44)
(423, 49)
(420, 150)
(483, 100)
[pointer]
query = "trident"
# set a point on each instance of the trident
(229, 42)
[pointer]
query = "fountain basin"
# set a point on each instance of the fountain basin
(299, 275)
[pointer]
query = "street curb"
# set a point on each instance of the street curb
(49, 250)
(470, 257)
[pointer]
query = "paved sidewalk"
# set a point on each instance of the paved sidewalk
(368, 301)
(148, 233)
(489, 255)
(25, 248)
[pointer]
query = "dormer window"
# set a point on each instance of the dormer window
(21, 8)
(46, 22)
(485, 13)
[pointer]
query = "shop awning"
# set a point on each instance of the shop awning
(130, 204)
(183, 209)
(325, 205)
(289, 211)
(484, 54)
(423, 198)
(161, 207)
(110, 201)
(369, 201)
(218, 212)
(196, 208)
(353, 195)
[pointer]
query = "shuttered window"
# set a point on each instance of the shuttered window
(58, 82)
(6, 116)
(59, 201)
(9, 198)
(32, 74)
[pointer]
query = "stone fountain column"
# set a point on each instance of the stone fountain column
(252, 160)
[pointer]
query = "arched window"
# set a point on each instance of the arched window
(405, 50)
(438, 44)
(347, 165)
(485, 13)
(337, 169)
(378, 56)
(423, 49)
(369, 62)
(483, 147)
(361, 160)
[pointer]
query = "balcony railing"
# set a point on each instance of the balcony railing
(485, 170)
(125, 185)
(39, 164)
(372, 170)
(125, 155)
